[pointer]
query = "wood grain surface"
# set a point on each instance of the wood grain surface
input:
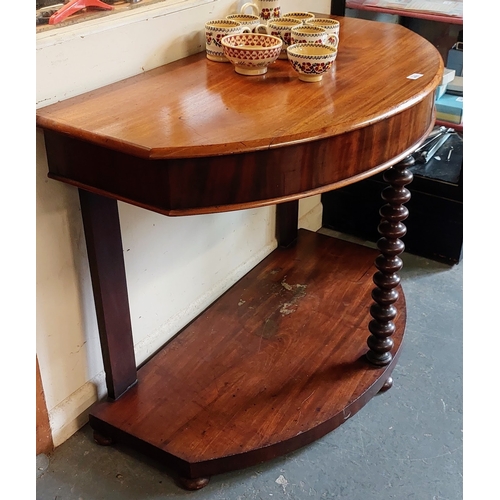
(277, 362)
(195, 107)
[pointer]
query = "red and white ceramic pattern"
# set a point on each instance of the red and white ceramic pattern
(311, 60)
(308, 34)
(251, 53)
(265, 9)
(332, 26)
(215, 31)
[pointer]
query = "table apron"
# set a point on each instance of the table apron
(185, 186)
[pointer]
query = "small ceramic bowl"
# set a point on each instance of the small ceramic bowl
(251, 53)
(311, 60)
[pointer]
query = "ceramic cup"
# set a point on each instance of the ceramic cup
(311, 60)
(265, 9)
(308, 34)
(216, 30)
(248, 20)
(302, 16)
(282, 28)
(332, 26)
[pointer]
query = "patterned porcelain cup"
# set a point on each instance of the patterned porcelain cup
(215, 31)
(309, 34)
(311, 60)
(302, 16)
(248, 20)
(282, 28)
(332, 26)
(267, 10)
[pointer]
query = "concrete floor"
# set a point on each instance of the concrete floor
(404, 444)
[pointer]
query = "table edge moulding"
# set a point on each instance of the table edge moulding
(294, 348)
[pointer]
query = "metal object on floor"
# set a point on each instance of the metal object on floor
(422, 155)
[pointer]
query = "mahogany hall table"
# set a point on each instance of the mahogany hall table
(293, 349)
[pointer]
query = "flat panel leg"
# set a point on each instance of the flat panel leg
(107, 269)
(287, 217)
(388, 263)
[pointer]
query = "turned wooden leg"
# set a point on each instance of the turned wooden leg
(388, 263)
(193, 484)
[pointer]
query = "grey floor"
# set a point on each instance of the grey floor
(404, 444)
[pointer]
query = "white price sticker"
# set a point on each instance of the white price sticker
(414, 76)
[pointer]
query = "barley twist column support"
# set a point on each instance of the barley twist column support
(388, 263)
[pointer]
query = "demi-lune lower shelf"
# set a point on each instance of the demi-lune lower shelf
(274, 364)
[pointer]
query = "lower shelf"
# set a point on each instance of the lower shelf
(274, 364)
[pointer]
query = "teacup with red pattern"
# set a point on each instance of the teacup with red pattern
(309, 34)
(282, 28)
(267, 10)
(303, 17)
(215, 31)
(311, 60)
(332, 26)
(246, 20)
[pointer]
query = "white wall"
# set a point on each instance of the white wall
(175, 266)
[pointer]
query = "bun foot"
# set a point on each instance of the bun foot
(102, 440)
(386, 386)
(193, 484)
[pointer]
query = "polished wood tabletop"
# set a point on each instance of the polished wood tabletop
(314, 136)
(196, 107)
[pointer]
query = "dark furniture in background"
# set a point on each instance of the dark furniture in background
(435, 225)
(337, 7)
